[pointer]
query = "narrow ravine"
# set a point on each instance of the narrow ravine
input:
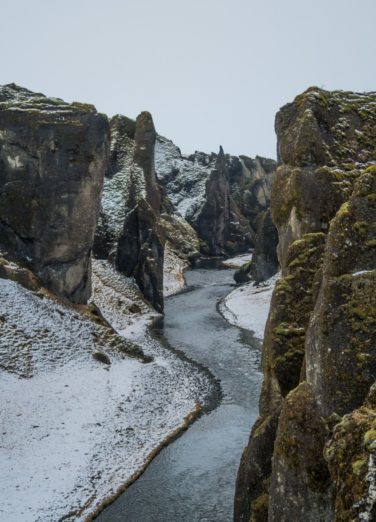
(193, 479)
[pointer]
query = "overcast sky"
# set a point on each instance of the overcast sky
(210, 71)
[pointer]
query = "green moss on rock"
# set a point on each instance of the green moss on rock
(292, 305)
(350, 454)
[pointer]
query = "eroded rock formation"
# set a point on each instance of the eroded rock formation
(204, 188)
(129, 232)
(219, 223)
(52, 161)
(304, 459)
(264, 262)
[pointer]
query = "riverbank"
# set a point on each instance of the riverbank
(248, 306)
(76, 431)
(193, 479)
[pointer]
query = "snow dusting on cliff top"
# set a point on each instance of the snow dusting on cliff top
(183, 176)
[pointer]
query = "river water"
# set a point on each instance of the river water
(193, 479)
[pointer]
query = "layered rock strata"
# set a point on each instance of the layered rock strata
(311, 454)
(52, 161)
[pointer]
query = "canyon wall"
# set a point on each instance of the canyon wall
(128, 230)
(232, 192)
(52, 161)
(311, 454)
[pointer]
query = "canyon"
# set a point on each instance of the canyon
(102, 221)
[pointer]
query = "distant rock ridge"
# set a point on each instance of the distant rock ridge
(153, 194)
(311, 454)
(219, 223)
(243, 186)
(52, 161)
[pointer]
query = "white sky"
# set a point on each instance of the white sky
(210, 71)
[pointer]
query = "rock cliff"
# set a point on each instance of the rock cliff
(52, 161)
(216, 187)
(137, 222)
(219, 223)
(311, 454)
(128, 231)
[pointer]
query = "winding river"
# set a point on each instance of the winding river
(193, 479)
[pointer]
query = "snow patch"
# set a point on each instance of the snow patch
(173, 272)
(238, 261)
(248, 306)
(73, 430)
(361, 272)
(183, 177)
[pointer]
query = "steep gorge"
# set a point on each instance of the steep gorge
(311, 452)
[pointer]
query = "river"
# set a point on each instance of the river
(193, 479)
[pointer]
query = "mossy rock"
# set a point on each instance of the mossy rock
(291, 307)
(350, 454)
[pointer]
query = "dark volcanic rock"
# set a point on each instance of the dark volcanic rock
(324, 140)
(220, 224)
(243, 274)
(321, 326)
(341, 338)
(264, 262)
(129, 232)
(300, 487)
(350, 455)
(52, 161)
(250, 185)
(196, 190)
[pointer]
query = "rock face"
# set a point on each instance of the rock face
(264, 262)
(219, 224)
(129, 232)
(304, 461)
(250, 185)
(52, 161)
(227, 190)
(182, 197)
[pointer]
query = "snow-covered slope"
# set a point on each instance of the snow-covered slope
(74, 430)
(184, 177)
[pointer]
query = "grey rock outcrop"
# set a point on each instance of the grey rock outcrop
(219, 224)
(250, 185)
(319, 350)
(52, 161)
(129, 232)
(264, 262)
(216, 187)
